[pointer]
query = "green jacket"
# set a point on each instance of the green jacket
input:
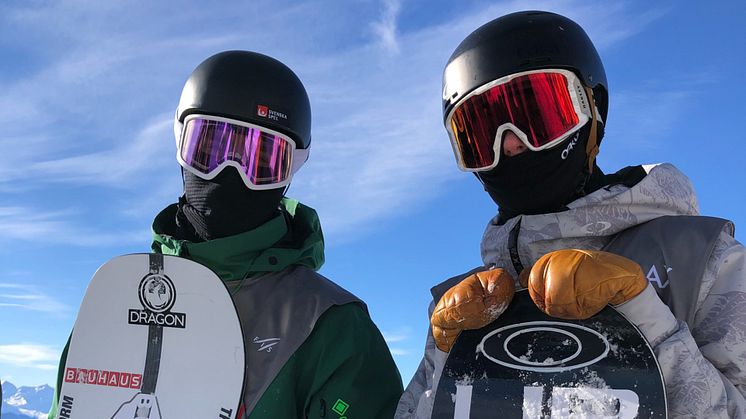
(344, 368)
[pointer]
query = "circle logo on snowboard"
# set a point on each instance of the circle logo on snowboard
(157, 293)
(544, 346)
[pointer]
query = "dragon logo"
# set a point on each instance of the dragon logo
(157, 293)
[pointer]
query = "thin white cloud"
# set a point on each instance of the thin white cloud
(649, 114)
(609, 24)
(640, 117)
(19, 223)
(649, 110)
(27, 297)
(30, 355)
(397, 338)
(139, 158)
(385, 28)
(391, 337)
(399, 352)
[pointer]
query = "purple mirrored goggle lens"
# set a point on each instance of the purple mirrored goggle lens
(265, 158)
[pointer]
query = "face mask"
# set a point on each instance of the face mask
(224, 206)
(538, 182)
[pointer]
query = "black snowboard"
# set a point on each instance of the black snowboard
(527, 364)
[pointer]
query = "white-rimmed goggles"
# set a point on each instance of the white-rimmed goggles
(542, 107)
(265, 159)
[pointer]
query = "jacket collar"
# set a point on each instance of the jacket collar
(590, 222)
(292, 238)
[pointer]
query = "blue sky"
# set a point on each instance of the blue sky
(87, 155)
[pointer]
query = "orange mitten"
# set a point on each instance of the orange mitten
(473, 303)
(576, 284)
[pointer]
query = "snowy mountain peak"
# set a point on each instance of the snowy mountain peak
(26, 401)
(8, 388)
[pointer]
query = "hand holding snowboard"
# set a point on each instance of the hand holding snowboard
(566, 284)
(576, 284)
(473, 303)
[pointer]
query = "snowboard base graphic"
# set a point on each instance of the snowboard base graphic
(529, 365)
(156, 337)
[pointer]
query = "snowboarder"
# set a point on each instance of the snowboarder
(525, 103)
(243, 129)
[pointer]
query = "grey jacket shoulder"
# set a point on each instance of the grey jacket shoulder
(673, 252)
(281, 308)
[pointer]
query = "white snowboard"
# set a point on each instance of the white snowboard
(156, 337)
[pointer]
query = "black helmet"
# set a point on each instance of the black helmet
(250, 87)
(543, 181)
(519, 42)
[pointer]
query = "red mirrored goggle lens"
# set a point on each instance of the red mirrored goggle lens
(538, 104)
(265, 158)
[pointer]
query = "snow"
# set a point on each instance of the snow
(464, 380)
(494, 311)
(26, 401)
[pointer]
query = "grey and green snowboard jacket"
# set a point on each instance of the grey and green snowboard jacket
(701, 345)
(312, 351)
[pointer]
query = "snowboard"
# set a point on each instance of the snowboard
(156, 337)
(527, 364)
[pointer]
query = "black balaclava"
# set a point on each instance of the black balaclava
(223, 206)
(539, 182)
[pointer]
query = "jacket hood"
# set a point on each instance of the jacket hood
(593, 220)
(292, 238)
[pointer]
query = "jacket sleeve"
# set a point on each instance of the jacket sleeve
(704, 366)
(353, 373)
(417, 400)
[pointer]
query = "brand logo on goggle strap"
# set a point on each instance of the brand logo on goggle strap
(265, 112)
(581, 97)
(568, 149)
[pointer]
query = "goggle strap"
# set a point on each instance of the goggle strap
(591, 148)
(300, 156)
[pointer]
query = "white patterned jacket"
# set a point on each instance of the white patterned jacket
(704, 362)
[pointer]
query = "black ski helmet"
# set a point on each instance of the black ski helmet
(523, 41)
(249, 87)
(542, 181)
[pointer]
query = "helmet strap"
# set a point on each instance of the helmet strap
(591, 148)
